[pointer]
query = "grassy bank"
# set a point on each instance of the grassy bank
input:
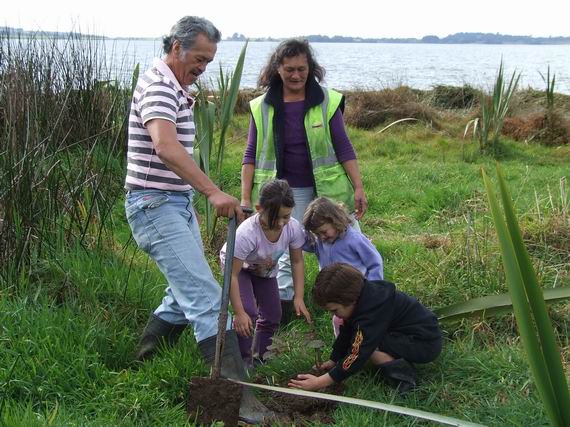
(75, 292)
(70, 321)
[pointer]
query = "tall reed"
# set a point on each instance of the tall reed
(62, 119)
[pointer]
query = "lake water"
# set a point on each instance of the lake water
(376, 65)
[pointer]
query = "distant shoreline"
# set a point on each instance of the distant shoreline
(457, 38)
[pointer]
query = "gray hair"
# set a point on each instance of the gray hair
(187, 29)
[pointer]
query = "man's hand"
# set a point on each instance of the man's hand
(310, 382)
(225, 205)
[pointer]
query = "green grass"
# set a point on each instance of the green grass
(69, 319)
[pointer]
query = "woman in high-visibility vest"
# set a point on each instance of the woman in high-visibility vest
(297, 133)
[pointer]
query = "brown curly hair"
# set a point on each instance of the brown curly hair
(338, 283)
(322, 211)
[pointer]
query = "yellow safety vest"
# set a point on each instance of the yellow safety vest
(330, 177)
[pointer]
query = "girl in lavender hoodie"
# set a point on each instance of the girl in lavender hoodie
(331, 237)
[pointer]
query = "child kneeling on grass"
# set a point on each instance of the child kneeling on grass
(381, 323)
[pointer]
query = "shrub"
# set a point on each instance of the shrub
(369, 109)
(523, 128)
(550, 129)
(453, 97)
(244, 96)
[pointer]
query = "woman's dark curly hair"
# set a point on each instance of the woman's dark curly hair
(288, 49)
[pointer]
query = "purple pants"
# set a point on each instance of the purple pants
(260, 299)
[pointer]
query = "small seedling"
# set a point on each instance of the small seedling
(312, 341)
(317, 345)
(276, 348)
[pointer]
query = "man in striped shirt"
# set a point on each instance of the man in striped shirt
(161, 180)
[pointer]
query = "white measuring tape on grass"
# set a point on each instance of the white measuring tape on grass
(367, 403)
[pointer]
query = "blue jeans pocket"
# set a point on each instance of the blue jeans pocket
(135, 206)
(140, 202)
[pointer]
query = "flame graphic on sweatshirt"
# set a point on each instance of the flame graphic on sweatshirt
(355, 350)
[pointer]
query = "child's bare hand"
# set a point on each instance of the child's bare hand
(327, 366)
(310, 382)
(300, 308)
(243, 324)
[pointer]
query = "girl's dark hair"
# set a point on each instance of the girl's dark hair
(322, 211)
(288, 49)
(272, 196)
(338, 283)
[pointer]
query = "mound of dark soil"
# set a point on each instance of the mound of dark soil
(213, 400)
(302, 411)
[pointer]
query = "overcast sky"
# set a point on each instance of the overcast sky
(358, 18)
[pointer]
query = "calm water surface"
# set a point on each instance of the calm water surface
(376, 66)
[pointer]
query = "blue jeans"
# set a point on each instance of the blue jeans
(302, 196)
(164, 226)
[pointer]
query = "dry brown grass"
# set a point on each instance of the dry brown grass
(551, 129)
(366, 110)
(453, 97)
(523, 128)
(449, 107)
(244, 96)
(434, 241)
(554, 233)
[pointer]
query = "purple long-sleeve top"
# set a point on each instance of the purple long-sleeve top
(351, 247)
(297, 169)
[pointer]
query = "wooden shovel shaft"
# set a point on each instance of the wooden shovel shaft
(223, 317)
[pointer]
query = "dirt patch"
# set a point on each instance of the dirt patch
(433, 241)
(213, 400)
(302, 411)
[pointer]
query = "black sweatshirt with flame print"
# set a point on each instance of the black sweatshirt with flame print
(380, 310)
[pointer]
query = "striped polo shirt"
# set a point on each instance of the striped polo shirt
(158, 95)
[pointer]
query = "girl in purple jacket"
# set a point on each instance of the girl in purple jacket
(332, 239)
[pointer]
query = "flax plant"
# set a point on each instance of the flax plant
(487, 127)
(537, 334)
(549, 91)
(214, 114)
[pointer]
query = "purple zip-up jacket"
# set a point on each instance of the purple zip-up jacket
(351, 247)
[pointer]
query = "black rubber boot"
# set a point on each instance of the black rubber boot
(400, 374)
(157, 333)
(287, 312)
(251, 410)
